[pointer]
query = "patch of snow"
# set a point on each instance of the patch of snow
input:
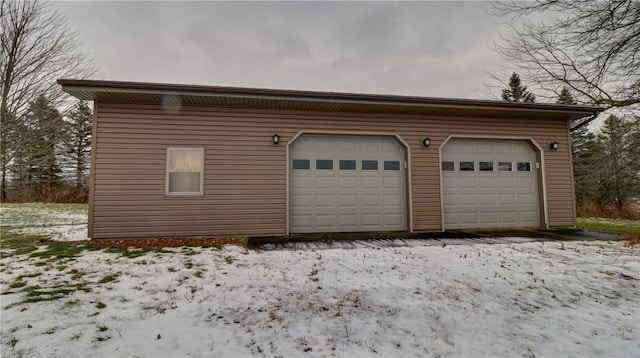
(57, 225)
(540, 299)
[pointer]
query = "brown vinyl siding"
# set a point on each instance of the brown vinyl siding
(245, 174)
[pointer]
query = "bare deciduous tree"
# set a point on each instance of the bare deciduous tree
(591, 47)
(37, 47)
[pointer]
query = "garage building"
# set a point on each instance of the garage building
(183, 160)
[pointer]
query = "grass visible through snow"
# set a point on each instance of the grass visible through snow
(22, 225)
(614, 226)
(42, 214)
(526, 299)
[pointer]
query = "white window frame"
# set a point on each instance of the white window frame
(168, 172)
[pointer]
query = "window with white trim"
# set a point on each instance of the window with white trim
(524, 167)
(505, 166)
(486, 166)
(467, 166)
(185, 171)
(448, 166)
(347, 164)
(301, 164)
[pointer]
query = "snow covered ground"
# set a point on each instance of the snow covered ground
(521, 299)
(61, 222)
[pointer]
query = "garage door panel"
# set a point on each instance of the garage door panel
(348, 220)
(450, 199)
(393, 183)
(370, 147)
(467, 181)
(370, 182)
(506, 182)
(370, 200)
(369, 220)
(389, 147)
(522, 150)
(465, 199)
(305, 146)
(489, 217)
(488, 208)
(509, 218)
(323, 147)
(348, 201)
(347, 182)
(527, 214)
(392, 201)
(301, 220)
(392, 220)
(487, 182)
(525, 182)
(450, 210)
(490, 198)
(347, 147)
(485, 148)
(470, 209)
(302, 201)
(507, 199)
(465, 148)
(469, 218)
(508, 209)
(302, 182)
(526, 199)
(324, 181)
(347, 197)
(325, 200)
(325, 220)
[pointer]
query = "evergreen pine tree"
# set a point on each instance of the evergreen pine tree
(515, 92)
(41, 138)
(619, 164)
(77, 140)
(565, 97)
(586, 152)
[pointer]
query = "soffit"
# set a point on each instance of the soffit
(157, 93)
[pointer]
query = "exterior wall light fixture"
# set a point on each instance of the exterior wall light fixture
(426, 142)
(275, 139)
(553, 145)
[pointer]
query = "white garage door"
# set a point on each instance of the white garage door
(489, 183)
(342, 183)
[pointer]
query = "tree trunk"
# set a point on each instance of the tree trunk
(78, 174)
(4, 185)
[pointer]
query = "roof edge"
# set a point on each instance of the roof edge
(97, 86)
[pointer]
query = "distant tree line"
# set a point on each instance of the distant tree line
(587, 52)
(50, 153)
(44, 154)
(606, 165)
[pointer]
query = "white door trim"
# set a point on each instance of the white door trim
(531, 140)
(407, 149)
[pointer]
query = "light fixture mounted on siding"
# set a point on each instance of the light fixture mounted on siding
(553, 145)
(426, 142)
(275, 139)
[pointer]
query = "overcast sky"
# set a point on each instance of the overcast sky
(441, 49)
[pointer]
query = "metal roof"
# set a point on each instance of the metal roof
(144, 92)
